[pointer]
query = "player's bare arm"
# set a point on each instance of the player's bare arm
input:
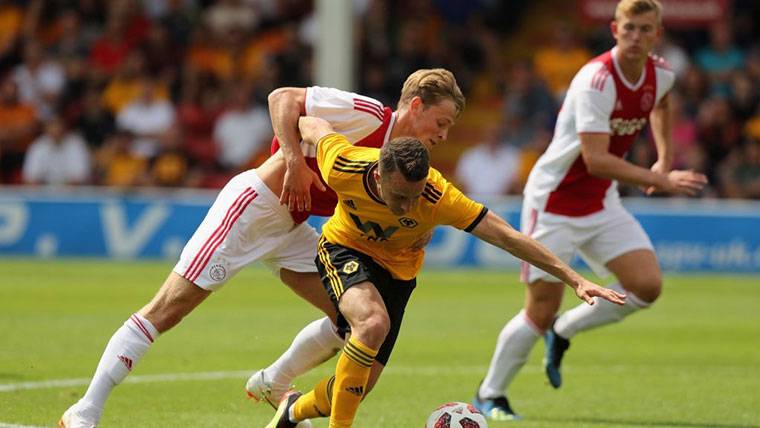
(496, 231)
(312, 129)
(660, 120)
(285, 107)
(601, 163)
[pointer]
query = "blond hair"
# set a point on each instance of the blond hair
(432, 86)
(637, 7)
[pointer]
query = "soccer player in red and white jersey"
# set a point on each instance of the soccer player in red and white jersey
(259, 216)
(571, 202)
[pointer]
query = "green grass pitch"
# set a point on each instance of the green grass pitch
(693, 360)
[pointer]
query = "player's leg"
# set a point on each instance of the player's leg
(176, 298)
(513, 346)
(638, 275)
(543, 296)
(212, 256)
(315, 343)
(623, 248)
(364, 310)
(317, 402)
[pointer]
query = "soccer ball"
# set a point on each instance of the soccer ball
(456, 415)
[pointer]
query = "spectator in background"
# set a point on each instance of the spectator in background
(686, 149)
(694, 89)
(57, 157)
(110, 49)
(227, 15)
(739, 174)
(11, 20)
(197, 113)
(18, 125)
(94, 121)
(528, 104)
(717, 129)
(743, 96)
(242, 132)
(558, 61)
(148, 117)
(40, 80)
(489, 169)
(171, 165)
(117, 166)
(721, 58)
(127, 84)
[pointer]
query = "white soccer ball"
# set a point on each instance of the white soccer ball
(456, 415)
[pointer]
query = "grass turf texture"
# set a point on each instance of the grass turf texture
(691, 361)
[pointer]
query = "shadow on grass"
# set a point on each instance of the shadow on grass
(633, 423)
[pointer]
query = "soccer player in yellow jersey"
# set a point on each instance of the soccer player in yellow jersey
(388, 198)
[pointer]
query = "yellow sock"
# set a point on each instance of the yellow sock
(351, 376)
(315, 403)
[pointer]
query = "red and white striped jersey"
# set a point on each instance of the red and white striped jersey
(364, 121)
(599, 100)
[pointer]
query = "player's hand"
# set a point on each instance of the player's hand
(661, 168)
(422, 241)
(297, 186)
(587, 290)
(685, 182)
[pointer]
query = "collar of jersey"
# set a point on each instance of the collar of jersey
(368, 187)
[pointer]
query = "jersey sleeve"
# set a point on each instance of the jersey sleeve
(454, 208)
(666, 78)
(595, 98)
(341, 107)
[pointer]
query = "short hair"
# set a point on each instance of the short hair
(637, 7)
(408, 156)
(432, 86)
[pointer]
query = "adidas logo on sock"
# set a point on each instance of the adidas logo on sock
(127, 361)
(356, 390)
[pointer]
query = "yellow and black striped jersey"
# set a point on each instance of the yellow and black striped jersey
(364, 223)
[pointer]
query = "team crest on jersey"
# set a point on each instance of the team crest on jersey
(217, 272)
(350, 267)
(407, 222)
(619, 105)
(647, 101)
(350, 203)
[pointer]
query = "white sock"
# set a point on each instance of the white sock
(585, 316)
(512, 350)
(123, 352)
(314, 344)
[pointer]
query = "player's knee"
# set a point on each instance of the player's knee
(541, 316)
(373, 329)
(647, 288)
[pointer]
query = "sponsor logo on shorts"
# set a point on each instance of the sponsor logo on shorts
(217, 272)
(350, 267)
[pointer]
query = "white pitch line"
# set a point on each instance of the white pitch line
(4, 425)
(237, 374)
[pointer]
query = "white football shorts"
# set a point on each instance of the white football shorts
(598, 238)
(246, 224)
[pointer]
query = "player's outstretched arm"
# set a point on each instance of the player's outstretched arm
(313, 129)
(601, 163)
(285, 107)
(496, 231)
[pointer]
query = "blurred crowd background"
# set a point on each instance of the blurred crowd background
(131, 93)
